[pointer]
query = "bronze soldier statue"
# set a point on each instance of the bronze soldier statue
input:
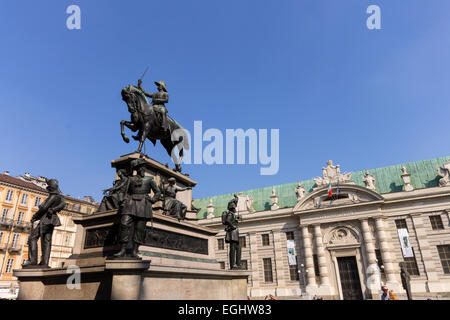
(114, 196)
(136, 209)
(173, 206)
(158, 101)
(230, 220)
(406, 280)
(47, 214)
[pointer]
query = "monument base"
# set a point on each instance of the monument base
(183, 262)
(131, 280)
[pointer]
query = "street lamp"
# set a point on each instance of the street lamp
(302, 271)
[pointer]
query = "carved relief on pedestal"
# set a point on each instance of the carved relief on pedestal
(444, 173)
(332, 174)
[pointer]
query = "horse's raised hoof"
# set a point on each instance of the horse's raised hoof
(126, 139)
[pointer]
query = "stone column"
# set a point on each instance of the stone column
(126, 278)
(385, 249)
(280, 253)
(324, 280)
(425, 250)
(309, 262)
(371, 257)
(254, 257)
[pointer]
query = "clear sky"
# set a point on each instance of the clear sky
(310, 68)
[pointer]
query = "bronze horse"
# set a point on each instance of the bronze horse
(145, 120)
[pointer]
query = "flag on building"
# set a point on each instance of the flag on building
(330, 192)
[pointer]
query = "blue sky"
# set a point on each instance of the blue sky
(310, 68)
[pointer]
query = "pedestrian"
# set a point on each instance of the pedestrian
(387, 294)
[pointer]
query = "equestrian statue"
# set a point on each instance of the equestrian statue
(151, 121)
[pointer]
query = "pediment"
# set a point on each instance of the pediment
(348, 194)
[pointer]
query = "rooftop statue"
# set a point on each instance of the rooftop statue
(332, 174)
(151, 121)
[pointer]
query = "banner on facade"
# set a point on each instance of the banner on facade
(404, 242)
(291, 252)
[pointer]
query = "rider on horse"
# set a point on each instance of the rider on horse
(158, 100)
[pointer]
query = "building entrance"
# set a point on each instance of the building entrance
(348, 272)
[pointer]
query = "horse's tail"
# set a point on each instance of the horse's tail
(179, 137)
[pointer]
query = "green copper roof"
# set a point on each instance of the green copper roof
(387, 180)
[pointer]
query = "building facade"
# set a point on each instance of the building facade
(346, 233)
(20, 198)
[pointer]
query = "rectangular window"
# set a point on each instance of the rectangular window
(265, 240)
(436, 222)
(444, 254)
(220, 244)
(293, 272)
(20, 216)
(222, 265)
(244, 264)
(15, 240)
(4, 213)
(267, 263)
(290, 235)
(1, 237)
(243, 242)
(37, 202)
(411, 265)
(9, 195)
(379, 259)
(401, 224)
(316, 265)
(9, 265)
(24, 200)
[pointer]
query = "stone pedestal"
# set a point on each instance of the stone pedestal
(126, 278)
(183, 264)
(161, 174)
(58, 283)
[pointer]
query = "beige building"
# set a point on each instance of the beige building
(348, 232)
(19, 200)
